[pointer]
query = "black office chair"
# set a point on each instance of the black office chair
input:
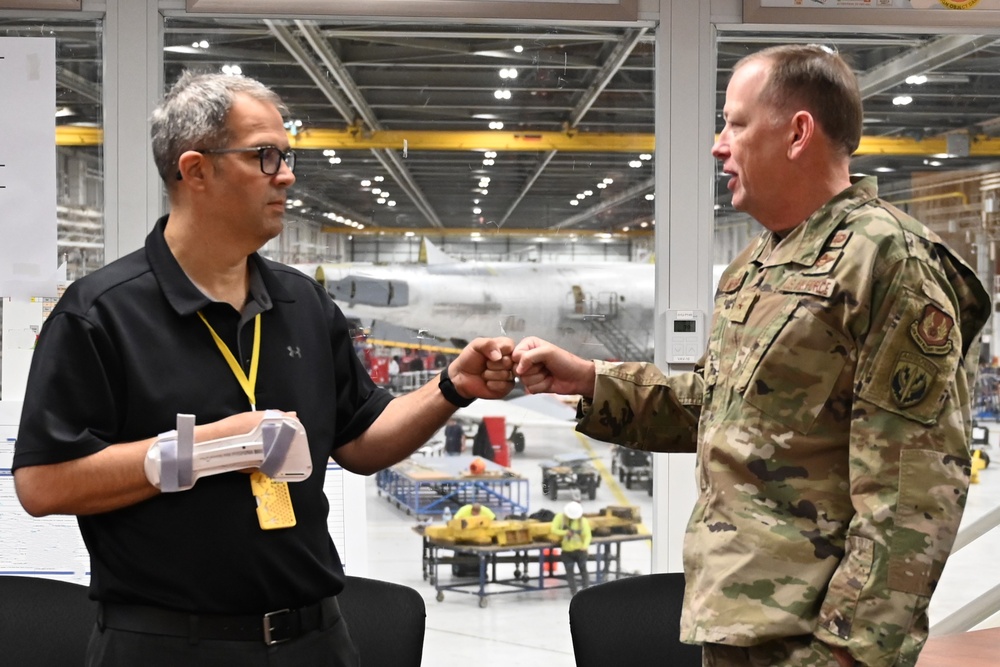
(632, 621)
(386, 621)
(44, 622)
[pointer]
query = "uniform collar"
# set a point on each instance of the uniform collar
(182, 294)
(804, 244)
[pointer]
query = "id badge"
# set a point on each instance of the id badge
(274, 503)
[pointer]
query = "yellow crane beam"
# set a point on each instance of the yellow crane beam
(471, 231)
(525, 141)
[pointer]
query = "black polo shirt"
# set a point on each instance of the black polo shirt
(123, 352)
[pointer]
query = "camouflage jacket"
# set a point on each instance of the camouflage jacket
(832, 416)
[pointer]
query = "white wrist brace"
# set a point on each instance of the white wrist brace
(277, 446)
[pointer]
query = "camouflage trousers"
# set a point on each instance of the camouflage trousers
(804, 651)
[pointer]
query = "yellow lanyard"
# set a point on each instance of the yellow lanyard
(249, 384)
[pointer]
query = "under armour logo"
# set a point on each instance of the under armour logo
(294, 351)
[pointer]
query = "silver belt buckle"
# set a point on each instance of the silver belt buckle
(268, 639)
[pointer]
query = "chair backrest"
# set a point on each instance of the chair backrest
(44, 622)
(632, 621)
(386, 621)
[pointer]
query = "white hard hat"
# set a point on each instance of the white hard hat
(573, 510)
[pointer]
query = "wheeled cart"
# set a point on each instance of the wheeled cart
(534, 565)
(425, 487)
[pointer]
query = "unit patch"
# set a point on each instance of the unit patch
(911, 378)
(931, 331)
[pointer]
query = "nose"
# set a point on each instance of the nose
(720, 149)
(285, 176)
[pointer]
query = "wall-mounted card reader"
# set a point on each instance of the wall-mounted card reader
(685, 336)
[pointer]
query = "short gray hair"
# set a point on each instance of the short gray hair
(193, 115)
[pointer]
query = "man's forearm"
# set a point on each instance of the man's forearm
(107, 480)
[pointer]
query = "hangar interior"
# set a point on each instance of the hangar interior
(504, 138)
(502, 141)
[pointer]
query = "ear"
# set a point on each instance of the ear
(800, 133)
(193, 168)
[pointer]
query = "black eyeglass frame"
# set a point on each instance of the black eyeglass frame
(288, 157)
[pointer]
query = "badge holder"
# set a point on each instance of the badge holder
(274, 502)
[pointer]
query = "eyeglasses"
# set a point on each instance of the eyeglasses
(270, 157)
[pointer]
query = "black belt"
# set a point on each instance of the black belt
(272, 628)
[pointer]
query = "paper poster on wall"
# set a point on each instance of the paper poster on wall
(346, 522)
(21, 322)
(28, 258)
(885, 4)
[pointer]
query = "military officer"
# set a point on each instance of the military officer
(831, 410)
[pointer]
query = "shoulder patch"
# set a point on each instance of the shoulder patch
(931, 332)
(912, 377)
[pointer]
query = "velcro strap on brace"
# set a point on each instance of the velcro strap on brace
(277, 443)
(177, 456)
(185, 451)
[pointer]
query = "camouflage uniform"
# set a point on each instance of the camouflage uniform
(832, 416)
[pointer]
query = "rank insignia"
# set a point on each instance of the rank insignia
(824, 263)
(931, 331)
(911, 378)
(733, 283)
(840, 239)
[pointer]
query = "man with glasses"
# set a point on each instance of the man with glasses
(200, 553)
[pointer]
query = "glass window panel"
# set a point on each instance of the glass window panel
(79, 163)
(568, 178)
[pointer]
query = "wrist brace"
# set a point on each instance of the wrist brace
(277, 446)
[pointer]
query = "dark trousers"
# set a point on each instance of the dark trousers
(328, 646)
(571, 559)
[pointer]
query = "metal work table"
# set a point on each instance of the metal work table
(425, 487)
(605, 551)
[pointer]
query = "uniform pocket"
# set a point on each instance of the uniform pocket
(798, 371)
(929, 484)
